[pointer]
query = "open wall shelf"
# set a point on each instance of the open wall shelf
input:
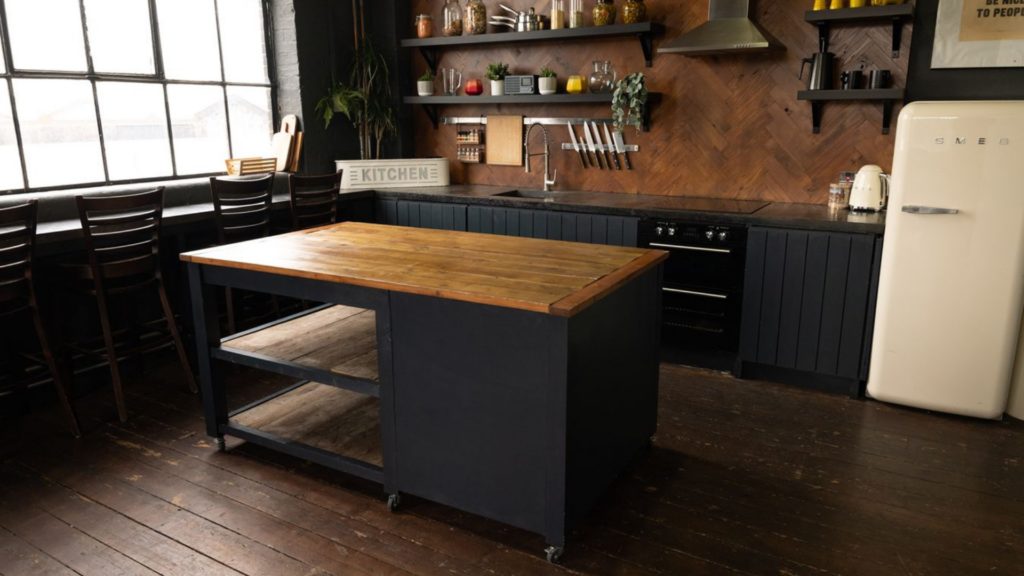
(431, 104)
(643, 31)
(897, 13)
(817, 98)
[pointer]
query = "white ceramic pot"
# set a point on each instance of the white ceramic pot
(548, 85)
(425, 87)
(497, 87)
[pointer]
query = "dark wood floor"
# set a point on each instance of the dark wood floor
(745, 478)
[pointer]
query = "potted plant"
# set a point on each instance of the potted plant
(496, 72)
(425, 84)
(548, 83)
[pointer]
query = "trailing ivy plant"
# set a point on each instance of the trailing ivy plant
(629, 101)
(547, 73)
(496, 71)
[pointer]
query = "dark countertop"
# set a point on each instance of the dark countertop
(784, 215)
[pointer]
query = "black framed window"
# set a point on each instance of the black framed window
(99, 92)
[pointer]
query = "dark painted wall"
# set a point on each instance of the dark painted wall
(923, 83)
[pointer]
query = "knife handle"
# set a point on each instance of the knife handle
(616, 158)
(625, 156)
(600, 163)
(580, 154)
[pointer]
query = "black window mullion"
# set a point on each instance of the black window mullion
(223, 78)
(158, 67)
(8, 61)
(170, 132)
(95, 93)
(269, 52)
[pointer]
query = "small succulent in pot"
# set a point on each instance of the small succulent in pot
(548, 83)
(496, 72)
(425, 84)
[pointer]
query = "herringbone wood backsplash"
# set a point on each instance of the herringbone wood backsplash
(727, 126)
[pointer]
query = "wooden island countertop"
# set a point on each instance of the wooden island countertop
(547, 276)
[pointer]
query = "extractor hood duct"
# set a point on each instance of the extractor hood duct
(728, 30)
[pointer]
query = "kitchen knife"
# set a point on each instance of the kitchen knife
(591, 147)
(576, 145)
(611, 147)
(607, 145)
(600, 146)
(621, 147)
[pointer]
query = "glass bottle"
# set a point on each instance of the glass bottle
(557, 14)
(634, 11)
(476, 17)
(603, 79)
(424, 26)
(576, 14)
(452, 18)
(604, 13)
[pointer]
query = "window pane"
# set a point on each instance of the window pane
(241, 38)
(58, 128)
(119, 36)
(199, 128)
(134, 130)
(188, 39)
(10, 160)
(249, 111)
(46, 35)
(3, 66)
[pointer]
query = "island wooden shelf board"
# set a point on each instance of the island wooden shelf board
(465, 339)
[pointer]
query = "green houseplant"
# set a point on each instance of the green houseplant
(548, 83)
(496, 72)
(629, 102)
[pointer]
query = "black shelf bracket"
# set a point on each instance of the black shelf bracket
(647, 45)
(823, 32)
(430, 56)
(897, 32)
(432, 113)
(816, 106)
(886, 116)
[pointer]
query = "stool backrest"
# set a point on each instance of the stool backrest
(122, 237)
(241, 208)
(314, 199)
(17, 249)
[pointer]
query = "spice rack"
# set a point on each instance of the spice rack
(643, 31)
(469, 146)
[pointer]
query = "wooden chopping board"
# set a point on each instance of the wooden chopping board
(281, 148)
(504, 140)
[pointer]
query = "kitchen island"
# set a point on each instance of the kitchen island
(512, 378)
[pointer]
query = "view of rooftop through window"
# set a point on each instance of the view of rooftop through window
(94, 94)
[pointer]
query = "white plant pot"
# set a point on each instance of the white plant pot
(425, 87)
(497, 87)
(548, 85)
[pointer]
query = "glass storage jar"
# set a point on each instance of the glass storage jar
(634, 11)
(576, 14)
(603, 79)
(424, 26)
(476, 17)
(452, 18)
(557, 14)
(604, 13)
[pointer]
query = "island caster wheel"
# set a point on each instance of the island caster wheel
(221, 445)
(393, 501)
(554, 553)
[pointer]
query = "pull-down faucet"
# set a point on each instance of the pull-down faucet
(549, 180)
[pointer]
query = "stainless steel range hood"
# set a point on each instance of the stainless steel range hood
(728, 30)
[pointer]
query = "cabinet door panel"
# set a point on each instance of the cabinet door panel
(771, 297)
(813, 299)
(615, 232)
(631, 232)
(836, 273)
(500, 219)
(512, 222)
(569, 227)
(525, 223)
(792, 297)
(585, 228)
(858, 287)
(554, 226)
(599, 232)
(750, 321)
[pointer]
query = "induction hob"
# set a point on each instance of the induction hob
(708, 204)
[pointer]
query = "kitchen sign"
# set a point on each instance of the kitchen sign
(357, 174)
(979, 34)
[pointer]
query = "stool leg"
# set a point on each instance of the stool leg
(108, 339)
(58, 381)
(173, 327)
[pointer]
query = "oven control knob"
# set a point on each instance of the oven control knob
(659, 231)
(710, 234)
(723, 236)
(671, 231)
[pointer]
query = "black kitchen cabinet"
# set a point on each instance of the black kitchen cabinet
(434, 215)
(551, 225)
(808, 307)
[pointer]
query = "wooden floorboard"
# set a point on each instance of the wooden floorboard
(745, 478)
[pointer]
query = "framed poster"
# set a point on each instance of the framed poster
(979, 34)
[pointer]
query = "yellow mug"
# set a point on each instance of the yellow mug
(858, 3)
(820, 4)
(836, 5)
(574, 85)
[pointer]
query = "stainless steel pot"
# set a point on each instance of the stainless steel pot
(522, 22)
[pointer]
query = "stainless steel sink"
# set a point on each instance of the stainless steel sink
(546, 196)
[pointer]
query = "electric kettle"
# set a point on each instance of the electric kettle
(870, 189)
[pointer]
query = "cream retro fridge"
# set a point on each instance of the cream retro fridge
(950, 290)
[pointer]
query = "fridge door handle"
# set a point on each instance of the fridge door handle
(929, 210)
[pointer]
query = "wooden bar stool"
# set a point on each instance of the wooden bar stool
(17, 292)
(314, 199)
(242, 212)
(122, 245)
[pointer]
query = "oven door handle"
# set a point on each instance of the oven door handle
(694, 248)
(694, 293)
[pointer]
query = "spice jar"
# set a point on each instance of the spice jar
(576, 13)
(557, 14)
(476, 17)
(604, 13)
(452, 18)
(634, 11)
(424, 26)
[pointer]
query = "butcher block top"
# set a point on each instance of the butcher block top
(552, 277)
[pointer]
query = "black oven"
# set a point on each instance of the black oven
(703, 283)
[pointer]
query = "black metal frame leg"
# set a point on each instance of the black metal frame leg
(207, 333)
